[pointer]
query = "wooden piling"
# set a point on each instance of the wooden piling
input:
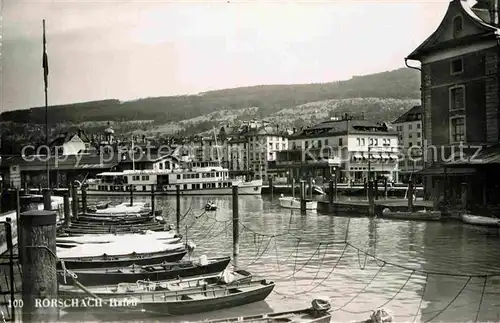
(131, 188)
(310, 182)
(84, 197)
(74, 199)
(178, 206)
(39, 188)
(302, 196)
(47, 199)
(153, 202)
(39, 278)
(385, 187)
(236, 224)
(331, 192)
(271, 186)
(67, 211)
(410, 195)
(26, 190)
(375, 188)
(371, 201)
(10, 248)
(18, 215)
(464, 196)
(335, 191)
(293, 187)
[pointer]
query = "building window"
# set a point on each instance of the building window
(409, 135)
(457, 129)
(418, 125)
(457, 98)
(410, 127)
(457, 66)
(418, 134)
(340, 142)
(457, 25)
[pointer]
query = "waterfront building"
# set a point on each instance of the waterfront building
(248, 150)
(409, 128)
(346, 147)
(460, 100)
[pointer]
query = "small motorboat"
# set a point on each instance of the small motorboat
(210, 206)
(480, 220)
(294, 203)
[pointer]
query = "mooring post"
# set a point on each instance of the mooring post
(293, 187)
(365, 187)
(385, 187)
(67, 212)
(271, 186)
(131, 188)
(153, 202)
(39, 188)
(371, 201)
(178, 206)
(84, 198)
(26, 191)
(10, 248)
(375, 188)
(310, 180)
(302, 196)
(331, 192)
(25, 205)
(47, 199)
(236, 225)
(74, 199)
(410, 195)
(39, 277)
(335, 189)
(18, 215)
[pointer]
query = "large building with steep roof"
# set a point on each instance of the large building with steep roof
(460, 89)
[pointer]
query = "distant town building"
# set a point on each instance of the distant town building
(249, 150)
(460, 100)
(343, 146)
(409, 127)
(70, 143)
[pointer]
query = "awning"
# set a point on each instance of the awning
(442, 171)
(393, 156)
(357, 155)
(375, 156)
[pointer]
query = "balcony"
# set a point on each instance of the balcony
(313, 157)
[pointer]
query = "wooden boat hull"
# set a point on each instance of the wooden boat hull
(106, 261)
(308, 315)
(480, 220)
(93, 278)
(414, 216)
(112, 219)
(236, 297)
(184, 283)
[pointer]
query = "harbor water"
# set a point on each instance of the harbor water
(421, 271)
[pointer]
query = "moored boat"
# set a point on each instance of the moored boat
(187, 302)
(210, 206)
(172, 253)
(294, 203)
(146, 286)
(480, 220)
(314, 314)
(423, 215)
(160, 271)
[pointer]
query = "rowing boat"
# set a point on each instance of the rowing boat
(314, 314)
(184, 302)
(423, 215)
(480, 220)
(146, 286)
(161, 271)
(107, 261)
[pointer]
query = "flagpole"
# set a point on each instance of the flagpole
(45, 74)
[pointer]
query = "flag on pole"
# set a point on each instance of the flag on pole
(45, 61)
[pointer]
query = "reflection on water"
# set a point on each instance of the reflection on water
(305, 256)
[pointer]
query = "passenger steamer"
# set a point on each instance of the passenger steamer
(193, 178)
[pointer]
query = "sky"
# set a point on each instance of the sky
(135, 49)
